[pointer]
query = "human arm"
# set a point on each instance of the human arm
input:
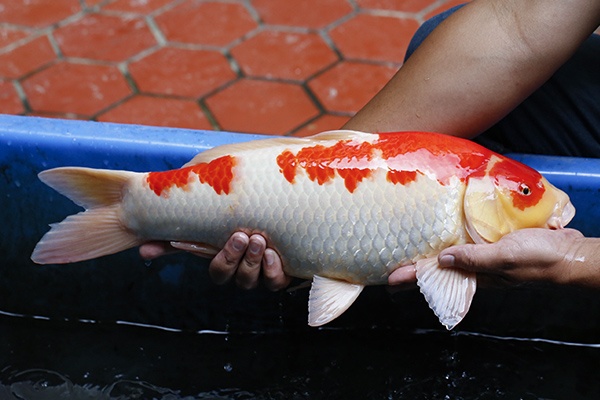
(479, 64)
(562, 256)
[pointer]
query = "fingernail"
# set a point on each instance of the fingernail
(254, 248)
(269, 259)
(238, 244)
(447, 261)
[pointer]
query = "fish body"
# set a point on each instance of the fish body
(343, 208)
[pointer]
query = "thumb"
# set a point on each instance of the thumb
(472, 257)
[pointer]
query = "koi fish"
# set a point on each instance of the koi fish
(342, 208)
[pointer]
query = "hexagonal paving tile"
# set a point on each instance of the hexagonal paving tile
(92, 3)
(291, 55)
(181, 72)
(267, 107)
(147, 110)
(387, 40)
(10, 103)
(348, 86)
(136, 6)
(305, 13)
(210, 23)
(447, 5)
(114, 38)
(75, 88)
(26, 58)
(411, 6)
(37, 13)
(9, 35)
(325, 122)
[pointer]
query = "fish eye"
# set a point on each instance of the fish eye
(524, 189)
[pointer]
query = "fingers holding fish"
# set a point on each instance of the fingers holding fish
(152, 250)
(274, 277)
(248, 269)
(526, 255)
(403, 275)
(225, 264)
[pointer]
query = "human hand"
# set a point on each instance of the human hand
(525, 255)
(240, 259)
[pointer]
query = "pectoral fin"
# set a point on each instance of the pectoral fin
(448, 291)
(329, 298)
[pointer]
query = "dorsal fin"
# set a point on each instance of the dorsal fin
(342, 134)
(227, 149)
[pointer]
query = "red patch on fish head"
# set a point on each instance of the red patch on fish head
(523, 183)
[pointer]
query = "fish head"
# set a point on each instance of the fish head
(511, 196)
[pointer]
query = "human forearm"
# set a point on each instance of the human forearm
(582, 264)
(479, 64)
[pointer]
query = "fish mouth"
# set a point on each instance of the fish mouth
(560, 218)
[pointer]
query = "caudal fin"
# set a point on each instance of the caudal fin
(95, 232)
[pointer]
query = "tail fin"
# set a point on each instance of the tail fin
(95, 232)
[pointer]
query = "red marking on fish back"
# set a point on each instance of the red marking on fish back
(525, 184)
(353, 176)
(401, 177)
(287, 162)
(217, 173)
(441, 155)
(322, 162)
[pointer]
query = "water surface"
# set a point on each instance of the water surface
(46, 359)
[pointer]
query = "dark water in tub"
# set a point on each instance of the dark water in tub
(45, 359)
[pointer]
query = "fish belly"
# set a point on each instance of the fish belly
(317, 228)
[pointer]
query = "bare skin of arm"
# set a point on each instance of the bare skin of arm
(471, 71)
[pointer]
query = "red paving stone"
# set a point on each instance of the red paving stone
(445, 6)
(305, 13)
(26, 58)
(136, 6)
(114, 38)
(10, 103)
(294, 56)
(260, 66)
(157, 111)
(348, 86)
(181, 72)
(10, 35)
(209, 23)
(37, 13)
(75, 88)
(257, 106)
(411, 6)
(387, 40)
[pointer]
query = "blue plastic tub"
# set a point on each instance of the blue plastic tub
(175, 291)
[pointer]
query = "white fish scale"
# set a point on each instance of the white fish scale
(317, 229)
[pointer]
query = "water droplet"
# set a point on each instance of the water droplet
(228, 367)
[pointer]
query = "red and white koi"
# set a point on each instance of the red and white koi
(342, 208)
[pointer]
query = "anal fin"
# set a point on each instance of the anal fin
(448, 291)
(329, 298)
